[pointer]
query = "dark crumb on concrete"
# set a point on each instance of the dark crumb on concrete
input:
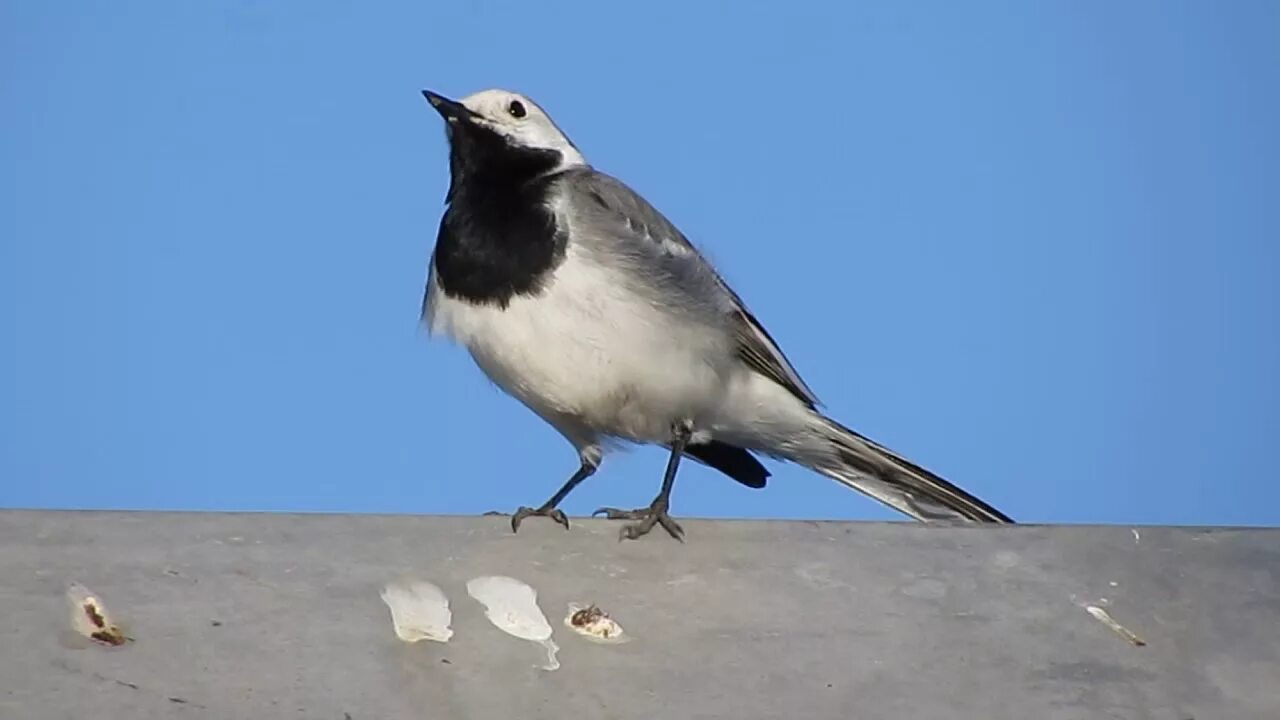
(94, 616)
(215, 623)
(446, 661)
(110, 637)
(346, 716)
(177, 700)
(586, 616)
(107, 635)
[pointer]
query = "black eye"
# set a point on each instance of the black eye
(516, 108)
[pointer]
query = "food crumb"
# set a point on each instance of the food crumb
(89, 617)
(594, 624)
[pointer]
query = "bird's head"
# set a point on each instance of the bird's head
(494, 123)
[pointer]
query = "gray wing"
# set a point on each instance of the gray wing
(611, 201)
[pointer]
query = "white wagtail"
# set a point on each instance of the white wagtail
(576, 296)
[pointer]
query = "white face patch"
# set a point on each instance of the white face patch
(521, 120)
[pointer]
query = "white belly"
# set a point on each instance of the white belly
(586, 349)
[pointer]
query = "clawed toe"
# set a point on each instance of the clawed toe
(616, 514)
(555, 514)
(655, 514)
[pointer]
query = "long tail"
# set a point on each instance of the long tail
(870, 468)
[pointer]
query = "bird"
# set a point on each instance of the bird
(580, 299)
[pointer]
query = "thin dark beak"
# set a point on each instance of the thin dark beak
(450, 110)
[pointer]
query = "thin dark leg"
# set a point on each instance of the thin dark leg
(548, 508)
(584, 472)
(656, 513)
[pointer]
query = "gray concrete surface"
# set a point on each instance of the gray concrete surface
(279, 616)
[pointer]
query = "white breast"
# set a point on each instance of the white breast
(586, 348)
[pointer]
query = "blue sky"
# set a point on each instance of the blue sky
(1033, 246)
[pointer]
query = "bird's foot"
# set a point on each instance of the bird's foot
(523, 512)
(655, 514)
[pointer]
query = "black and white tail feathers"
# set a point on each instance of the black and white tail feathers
(870, 468)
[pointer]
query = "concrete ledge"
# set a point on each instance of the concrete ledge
(279, 616)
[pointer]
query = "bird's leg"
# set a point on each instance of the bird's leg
(548, 508)
(656, 513)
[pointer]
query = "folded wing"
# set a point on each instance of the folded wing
(631, 215)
